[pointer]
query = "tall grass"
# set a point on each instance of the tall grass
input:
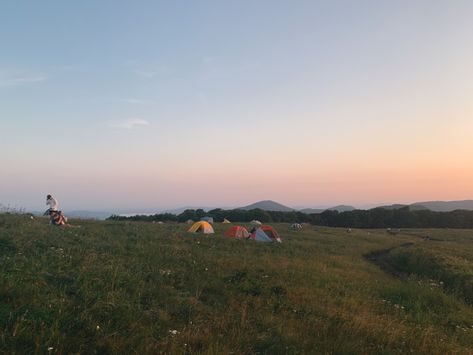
(129, 287)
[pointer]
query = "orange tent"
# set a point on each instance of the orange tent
(237, 232)
(202, 227)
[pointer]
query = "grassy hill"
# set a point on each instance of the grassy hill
(128, 287)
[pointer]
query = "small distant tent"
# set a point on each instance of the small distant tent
(256, 223)
(189, 221)
(226, 221)
(201, 227)
(208, 220)
(296, 226)
(271, 233)
(238, 232)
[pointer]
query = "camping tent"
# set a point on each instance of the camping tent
(260, 236)
(202, 227)
(296, 226)
(256, 223)
(237, 232)
(208, 219)
(226, 221)
(190, 221)
(271, 233)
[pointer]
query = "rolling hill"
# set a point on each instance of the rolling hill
(268, 205)
(436, 206)
(446, 206)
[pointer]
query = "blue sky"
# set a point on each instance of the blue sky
(129, 104)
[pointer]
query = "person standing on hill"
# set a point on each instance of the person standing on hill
(52, 203)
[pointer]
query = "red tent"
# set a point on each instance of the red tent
(271, 232)
(237, 232)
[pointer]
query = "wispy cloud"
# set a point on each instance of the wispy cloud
(130, 123)
(16, 78)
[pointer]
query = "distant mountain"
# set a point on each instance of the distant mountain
(342, 208)
(267, 205)
(395, 206)
(437, 206)
(445, 206)
(416, 207)
(339, 208)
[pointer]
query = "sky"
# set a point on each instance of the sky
(159, 104)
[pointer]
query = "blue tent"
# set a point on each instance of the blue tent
(260, 236)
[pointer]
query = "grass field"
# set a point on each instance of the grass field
(134, 288)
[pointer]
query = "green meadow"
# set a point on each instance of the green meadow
(111, 287)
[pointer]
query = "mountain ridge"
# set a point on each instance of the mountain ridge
(270, 205)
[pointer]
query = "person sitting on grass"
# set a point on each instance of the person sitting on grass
(56, 217)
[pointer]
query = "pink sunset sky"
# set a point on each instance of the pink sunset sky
(307, 103)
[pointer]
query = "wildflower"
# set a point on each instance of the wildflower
(98, 327)
(206, 269)
(174, 332)
(50, 348)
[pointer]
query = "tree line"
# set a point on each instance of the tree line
(373, 218)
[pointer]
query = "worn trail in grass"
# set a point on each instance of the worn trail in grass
(111, 287)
